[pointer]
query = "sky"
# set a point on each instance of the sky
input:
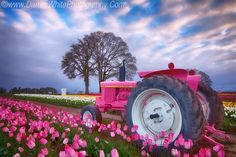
(36, 34)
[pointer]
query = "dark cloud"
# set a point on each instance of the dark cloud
(207, 23)
(221, 3)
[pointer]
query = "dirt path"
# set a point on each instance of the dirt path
(75, 111)
(230, 146)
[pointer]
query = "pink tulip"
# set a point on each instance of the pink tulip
(217, 148)
(163, 133)
(20, 149)
(128, 139)
(118, 131)
(96, 139)
(13, 128)
(36, 135)
(10, 134)
(5, 129)
(187, 145)
(44, 151)
(82, 153)
(65, 141)
(202, 152)
(118, 125)
(112, 134)
(75, 145)
(76, 137)
(16, 155)
(83, 143)
(144, 144)
(149, 141)
(174, 152)
(63, 135)
(166, 143)
(134, 128)
(144, 153)
(113, 125)
(101, 153)
(114, 153)
(170, 136)
(31, 144)
(67, 129)
(62, 154)
(51, 131)
(181, 140)
(1, 125)
(221, 153)
(155, 137)
(186, 154)
(125, 128)
(208, 152)
(135, 137)
(70, 151)
(22, 130)
(150, 148)
(43, 141)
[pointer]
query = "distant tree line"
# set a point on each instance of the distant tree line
(3, 90)
(46, 90)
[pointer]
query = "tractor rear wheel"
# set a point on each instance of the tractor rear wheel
(164, 104)
(90, 113)
(212, 107)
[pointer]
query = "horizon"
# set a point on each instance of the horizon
(191, 34)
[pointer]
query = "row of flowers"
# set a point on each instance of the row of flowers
(31, 130)
(229, 103)
(230, 113)
(61, 97)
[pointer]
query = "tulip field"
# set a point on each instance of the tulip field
(66, 100)
(28, 129)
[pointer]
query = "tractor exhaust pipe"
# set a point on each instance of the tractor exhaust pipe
(122, 72)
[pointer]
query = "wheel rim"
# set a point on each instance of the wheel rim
(87, 118)
(204, 104)
(154, 111)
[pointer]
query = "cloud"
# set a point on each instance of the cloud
(26, 23)
(2, 14)
(191, 34)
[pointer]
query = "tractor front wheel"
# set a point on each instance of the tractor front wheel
(164, 104)
(89, 114)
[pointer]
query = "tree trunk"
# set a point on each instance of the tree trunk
(86, 83)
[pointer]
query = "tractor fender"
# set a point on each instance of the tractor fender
(181, 74)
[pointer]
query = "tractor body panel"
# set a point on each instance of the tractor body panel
(181, 74)
(114, 95)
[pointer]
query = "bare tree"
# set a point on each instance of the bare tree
(78, 62)
(98, 54)
(109, 52)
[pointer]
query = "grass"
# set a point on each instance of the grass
(229, 125)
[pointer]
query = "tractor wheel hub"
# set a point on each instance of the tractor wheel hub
(158, 116)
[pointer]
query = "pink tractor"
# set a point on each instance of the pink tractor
(175, 101)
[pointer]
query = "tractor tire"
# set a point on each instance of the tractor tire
(213, 109)
(94, 113)
(163, 103)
